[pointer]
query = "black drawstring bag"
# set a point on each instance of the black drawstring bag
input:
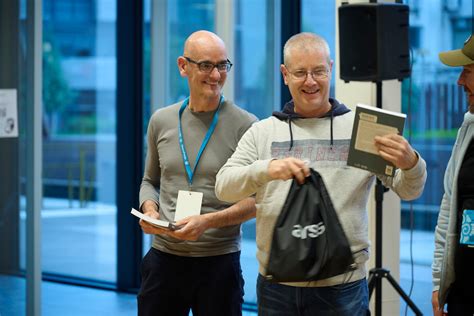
(308, 241)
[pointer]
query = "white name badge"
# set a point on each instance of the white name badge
(188, 203)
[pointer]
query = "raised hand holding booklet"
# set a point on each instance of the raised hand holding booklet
(369, 122)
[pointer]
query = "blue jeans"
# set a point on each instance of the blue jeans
(274, 299)
(174, 285)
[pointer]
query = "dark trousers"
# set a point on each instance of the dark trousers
(460, 303)
(174, 285)
(274, 299)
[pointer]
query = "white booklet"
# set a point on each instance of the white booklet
(155, 222)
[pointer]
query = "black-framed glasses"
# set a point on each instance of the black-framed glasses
(208, 67)
(302, 74)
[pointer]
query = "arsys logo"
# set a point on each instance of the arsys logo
(311, 231)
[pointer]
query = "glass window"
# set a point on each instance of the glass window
(435, 111)
(79, 211)
(199, 16)
(255, 67)
(320, 19)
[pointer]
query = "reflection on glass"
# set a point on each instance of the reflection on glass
(199, 16)
(320, 18)
(435, 110)
(437, 103)
(78, 217)
(254, 57)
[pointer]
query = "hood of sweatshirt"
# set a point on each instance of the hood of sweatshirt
(289, 114)
(468, 117)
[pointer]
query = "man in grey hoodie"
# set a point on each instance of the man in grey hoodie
(313, 131)
(453, 277)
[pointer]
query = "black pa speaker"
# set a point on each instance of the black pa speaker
(373, 41)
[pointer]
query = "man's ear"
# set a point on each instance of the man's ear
(331, 64)
(284, 73)
(181, 61)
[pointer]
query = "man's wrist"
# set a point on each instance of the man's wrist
(210, 220)
(149, 205)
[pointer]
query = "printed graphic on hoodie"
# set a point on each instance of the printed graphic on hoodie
(319, 153)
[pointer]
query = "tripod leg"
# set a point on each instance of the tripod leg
(405, 297)
(371, 284)
(375, 281)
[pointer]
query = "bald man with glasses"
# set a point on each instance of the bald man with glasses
(197, 266)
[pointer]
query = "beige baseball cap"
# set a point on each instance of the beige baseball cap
(459, 57)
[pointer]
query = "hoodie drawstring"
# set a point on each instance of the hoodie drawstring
(332, 130)
(288, 114)
(290, 117)
(291, 133)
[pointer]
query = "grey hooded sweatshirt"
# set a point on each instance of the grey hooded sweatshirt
(324, 143)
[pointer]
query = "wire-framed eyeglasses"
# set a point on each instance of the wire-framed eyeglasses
(208, 67)
(302, 74)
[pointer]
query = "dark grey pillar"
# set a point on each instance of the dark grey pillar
(129, 139)
(9, 155)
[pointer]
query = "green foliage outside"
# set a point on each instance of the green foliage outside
(179, 87)
(433, 134)
(77, 124)
(57, 95)
(413, 110)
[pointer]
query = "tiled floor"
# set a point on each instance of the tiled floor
(94, 229)
(60, 299)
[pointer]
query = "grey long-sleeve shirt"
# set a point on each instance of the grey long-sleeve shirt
(164, 171)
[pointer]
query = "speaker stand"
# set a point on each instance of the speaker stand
(378, 273)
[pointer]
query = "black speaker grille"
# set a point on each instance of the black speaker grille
(373, 41)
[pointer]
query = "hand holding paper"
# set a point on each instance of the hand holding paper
(153, 221)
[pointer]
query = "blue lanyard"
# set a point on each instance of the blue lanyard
(205, 141)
